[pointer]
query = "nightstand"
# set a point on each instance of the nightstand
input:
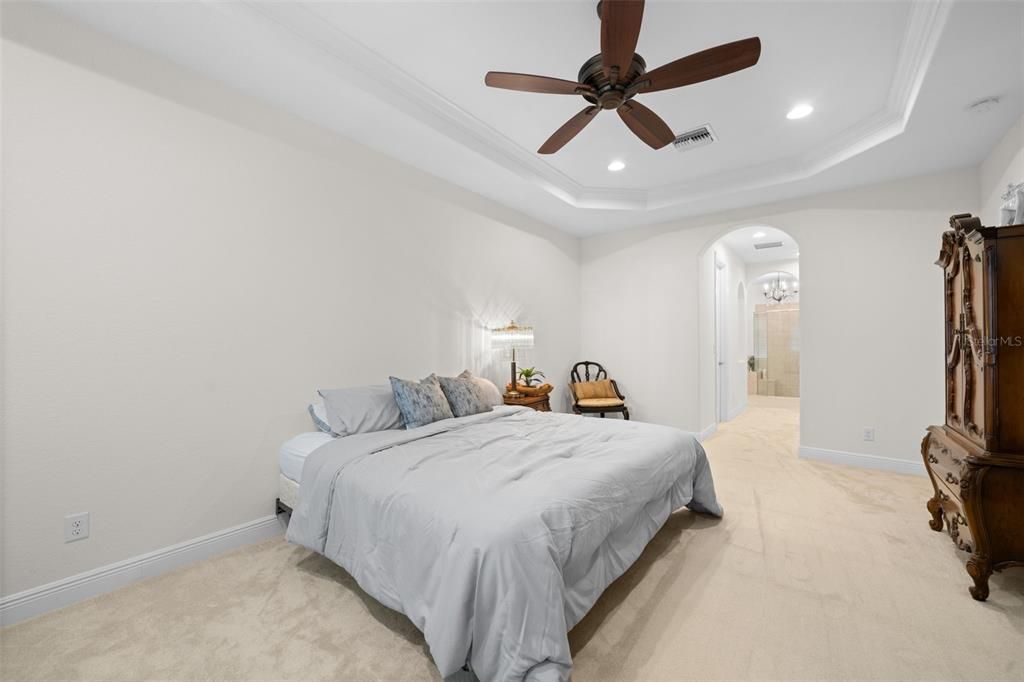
(541, 403)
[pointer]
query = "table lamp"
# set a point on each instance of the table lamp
(511, 338)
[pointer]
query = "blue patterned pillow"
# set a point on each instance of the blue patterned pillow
(464, 395)
(420, 403)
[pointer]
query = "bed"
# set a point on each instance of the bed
(496, 533)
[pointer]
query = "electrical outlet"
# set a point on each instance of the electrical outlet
(76, 527)
(869, 433)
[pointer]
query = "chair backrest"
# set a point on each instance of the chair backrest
(596, 374)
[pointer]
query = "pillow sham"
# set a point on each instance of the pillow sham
(586, 390)
(465, 396)
(490, 393)
(361, 409)
(420, 402)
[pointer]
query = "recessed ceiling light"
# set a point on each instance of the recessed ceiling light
(759, 235)
(799, 111)
(616, 165)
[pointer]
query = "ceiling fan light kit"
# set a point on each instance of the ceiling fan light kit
(611, 79)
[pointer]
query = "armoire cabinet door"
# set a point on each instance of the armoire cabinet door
(954, 354)
(976, 377)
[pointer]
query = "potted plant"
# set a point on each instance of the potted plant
(529, 374)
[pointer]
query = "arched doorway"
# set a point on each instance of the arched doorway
(738, 320)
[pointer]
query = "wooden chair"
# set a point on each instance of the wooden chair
(612, 401)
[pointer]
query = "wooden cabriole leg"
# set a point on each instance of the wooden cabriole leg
(979, 566)
(935, 508)
(935, 503)
(980, 570)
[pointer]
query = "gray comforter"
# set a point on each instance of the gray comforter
(496, 533)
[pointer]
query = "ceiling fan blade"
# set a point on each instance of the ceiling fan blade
(620, 29)
(702, 66)
(646, 124)
(569, 130)
(525, 82)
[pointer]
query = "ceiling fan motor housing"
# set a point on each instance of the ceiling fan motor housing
(609, 96)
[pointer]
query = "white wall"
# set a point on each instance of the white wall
(1003, 165)
(871, 311)
(177, 285)
(755, 270)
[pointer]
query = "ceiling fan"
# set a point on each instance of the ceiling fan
(612, 79)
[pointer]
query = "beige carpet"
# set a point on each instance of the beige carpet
(816, 572)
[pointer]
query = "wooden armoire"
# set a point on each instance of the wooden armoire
(976, 459)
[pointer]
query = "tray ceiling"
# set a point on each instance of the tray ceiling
(407, 79)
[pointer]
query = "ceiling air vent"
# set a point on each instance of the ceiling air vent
(691, 139)
(767, 245)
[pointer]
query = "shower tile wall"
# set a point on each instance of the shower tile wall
(777, 349)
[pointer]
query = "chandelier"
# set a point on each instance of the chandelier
(778, 289)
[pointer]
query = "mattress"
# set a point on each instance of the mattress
(294, 452)
(292, 458)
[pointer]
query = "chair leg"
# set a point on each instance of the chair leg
(625, 414)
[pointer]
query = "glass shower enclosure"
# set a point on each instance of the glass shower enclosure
(776, 350)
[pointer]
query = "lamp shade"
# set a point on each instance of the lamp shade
(512, 337)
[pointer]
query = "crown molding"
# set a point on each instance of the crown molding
(924, 28)
(371, 72)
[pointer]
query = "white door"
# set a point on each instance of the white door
(721, 353)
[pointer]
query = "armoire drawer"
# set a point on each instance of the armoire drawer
(955, 519)
(945, 460)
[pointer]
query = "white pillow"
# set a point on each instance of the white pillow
(318, 413)
(490, 392)
(361, 410)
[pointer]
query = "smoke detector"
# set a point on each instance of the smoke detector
(983, 105)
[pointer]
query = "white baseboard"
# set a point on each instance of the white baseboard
(856, 459)
(57, 595)
(707, 433)
(736, 412)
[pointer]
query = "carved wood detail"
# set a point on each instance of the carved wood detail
(970, 337)
(952, 346)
